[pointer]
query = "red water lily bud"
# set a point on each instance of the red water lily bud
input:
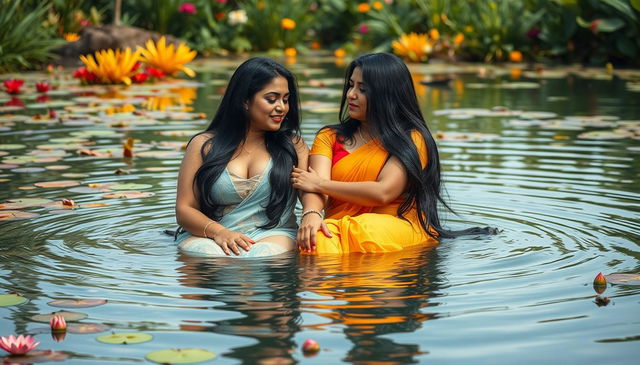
(57, 322)
(139, 78)
(310, 347)
(43, 86)
(600, 280)
(13, 86)
(155, 73)
(127, 148)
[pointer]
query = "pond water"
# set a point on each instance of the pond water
(567, 201)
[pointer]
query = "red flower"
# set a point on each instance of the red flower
(594, 26)
(363, 29)
(13, 86)
(187, 8)
(85, 75)
(533, 33)
(155, 73)
(219, 15)
(139, 78)
(42, 98)
(222, 1)
(85, 22)
(15, 101)
(43, 87)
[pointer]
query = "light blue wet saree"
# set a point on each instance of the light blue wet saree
(243, 214)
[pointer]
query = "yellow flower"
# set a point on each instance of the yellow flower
(339, 53)
(287, 23)
(377, 5)
(71, 37)
(434, 34)
(412, 46)
(168, 59)
(458, 39)
(363, 7)
(515, 56)
(468, 29)
(290, 52)
(112, 66)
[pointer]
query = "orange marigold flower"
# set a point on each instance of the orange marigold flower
(363, 7)
(515, 56)
(414, 47)
(434, 34)
(71, 37)
(458, 39)
(377, 5)
(287, 23)
(340, 53)
(290, 52)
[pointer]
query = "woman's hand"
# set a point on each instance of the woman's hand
(308, 181)
(230, 241)
(309, 227)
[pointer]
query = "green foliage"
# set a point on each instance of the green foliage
(24, 41)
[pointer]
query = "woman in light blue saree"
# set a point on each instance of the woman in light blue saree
(234, 196)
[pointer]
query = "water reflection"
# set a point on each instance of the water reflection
(263, 292)
(370, 296)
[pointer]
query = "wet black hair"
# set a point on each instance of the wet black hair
(229, 129)
(393, 113)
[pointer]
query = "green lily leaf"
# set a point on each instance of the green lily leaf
(125, 338)
(180, 356)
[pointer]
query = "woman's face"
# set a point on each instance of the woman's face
(269, 106)
(356, 98)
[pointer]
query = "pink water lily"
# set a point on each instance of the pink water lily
(18, 345)
(58, 324)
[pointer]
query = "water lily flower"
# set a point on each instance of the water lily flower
(238, 17)
(187, 8)
(13, 86)
(287, 23)
(43, 86)
(57, 322)
(310, 347)
(127, 147)
(515, 56)
(413, 46)
(18, 345)
(600, 280)
(85, 75)
(112, 67)
(167, 58)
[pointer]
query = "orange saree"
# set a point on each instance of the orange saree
(358, 228)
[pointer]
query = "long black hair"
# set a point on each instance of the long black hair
(229, 128)
(393, 113)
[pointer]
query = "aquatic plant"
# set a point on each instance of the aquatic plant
(168, 58)
(310, 346)
(58, 323)
(13, 86)
(413, 47)
(18, 345)
(112, 67)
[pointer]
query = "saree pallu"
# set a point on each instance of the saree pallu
(358, 228)
(243, 214)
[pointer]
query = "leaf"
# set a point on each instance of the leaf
(635, 4)
(11, 299)
(180, 356)
(77, 303)
(626, 279)
(125, 338)
(6, 215)
(610, 24)
(128, 195)
(84, 328)
(68, 316)
(57, 184)
(130, 186)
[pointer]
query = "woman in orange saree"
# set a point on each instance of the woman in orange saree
(378, 170)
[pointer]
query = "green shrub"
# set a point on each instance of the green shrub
(24, 41)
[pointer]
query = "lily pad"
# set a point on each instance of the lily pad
(6, 215)
(130, 186)
(24, 203)
(614, 134)
(13, 146)
(35, 356)
(57, 184)
(57, 167)
(28, 169)
(159, 154)
(125, 338)
(68, 316)
(85, 328)
(50, 104)
(11, 299)
(128, 195)
(180, 356)
(77, 303)
(626, 279)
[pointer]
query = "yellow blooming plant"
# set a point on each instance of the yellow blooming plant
(168, 58)
(288, 24)
(112, 67)
(414, 47)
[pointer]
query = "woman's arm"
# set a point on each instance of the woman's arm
(311, 202)
(188, 213)
(390, 184)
